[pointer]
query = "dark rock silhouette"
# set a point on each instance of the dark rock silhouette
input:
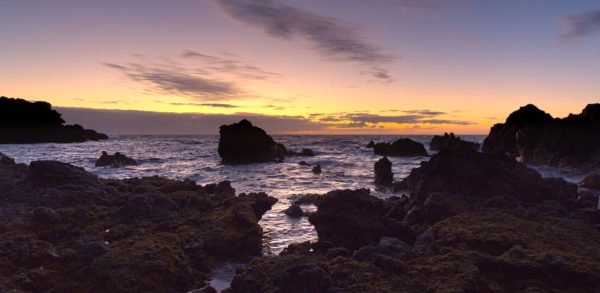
(294, 211)
(317, 169)
(537, 138)
(450, 141)
(404, 147)
(473, 222)
(383, 172)
(115, 161)
(23, 122)
(303, 153)
(371, 144)
(303, 163)
(106, 235)
(243, 143)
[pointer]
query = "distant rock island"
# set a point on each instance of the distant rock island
(538, 138)
(23, 122)
(244, 143)
(404, 147)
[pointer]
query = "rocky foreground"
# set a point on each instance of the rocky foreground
(474, 222)
(63, 229)
(23, 122)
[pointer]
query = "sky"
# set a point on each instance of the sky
(300, 67)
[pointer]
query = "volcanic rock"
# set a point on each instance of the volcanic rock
(383, 172)
(115, 161)
(404, 147)
(450, 141)
(243, 143)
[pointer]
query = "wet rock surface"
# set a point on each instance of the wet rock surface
(115, 161)
(70, 231)
(538, 138)
(404, 147)
(473, 222)
(23, 122)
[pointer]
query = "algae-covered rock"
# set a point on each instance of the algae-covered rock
(70, 231)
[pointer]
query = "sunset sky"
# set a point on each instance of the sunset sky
(310, 66)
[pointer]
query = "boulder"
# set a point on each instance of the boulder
(52, 174)
(383, 172)
(349, 218)
(303, 153)
(404, 147)
(317, 169)
(23, 122)
(294, 211)
(450, 141)
(243, 143)
(115, 161)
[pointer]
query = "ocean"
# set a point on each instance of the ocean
(346, 162)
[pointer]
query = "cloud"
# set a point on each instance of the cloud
(214, 105)
(331, 37)
(202, 77)
(580, 25)
(367, 120)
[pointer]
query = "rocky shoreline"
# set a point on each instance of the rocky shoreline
(463, 221)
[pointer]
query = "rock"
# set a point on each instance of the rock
(311, 198)
(317, 169)
(383, 172)
(591, 181)
(294, 211)
(25, 122)
(303, 153)
(117, 160)
(307, 278)
(52, 173)
(297, 248)
(243, 143)
(65, 230)
(387, 246)
(303, 163)
(537, 138)
(6, 160)
(449, 141)
(349, 218)
(371, 144)
(404, 147)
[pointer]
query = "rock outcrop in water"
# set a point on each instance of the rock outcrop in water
(115, 161)
(383, 172)
(404, 147)
(537, 138)
(450, 141)
(23, 122)
(63, 229)
(243, 143)
(474, 222)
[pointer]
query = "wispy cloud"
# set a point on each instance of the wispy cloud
(199, 77)
(331, 37)
(367, 120)
(214, 105)
(580, 25)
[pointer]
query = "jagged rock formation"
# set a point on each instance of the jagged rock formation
(537, 138)
(63, 229)
(383, 172)
(23, 122)
(450, 141)
(115, 161)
